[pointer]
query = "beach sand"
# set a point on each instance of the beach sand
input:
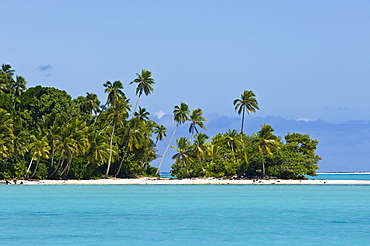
(155, 181)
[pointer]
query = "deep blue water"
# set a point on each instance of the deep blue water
(185, 215)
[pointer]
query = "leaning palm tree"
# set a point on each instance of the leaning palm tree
(180, 115)
(116, 116)
(247, 102)
(38, 149)
(145, 85)
(266, 142)
(196, 118)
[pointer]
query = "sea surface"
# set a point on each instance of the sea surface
(185, 215)
(342, 176)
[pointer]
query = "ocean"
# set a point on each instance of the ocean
(185, 215)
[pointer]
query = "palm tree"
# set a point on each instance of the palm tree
(183, 156)
(266, 142)
(145, 84)
(116, 116)
(92, 103)
(114, 91)
(199, 147)
(6, 134)
(19, 86)
(247, 102)
(196, 118)
(181, 114)
(142, 114)
(6, 78)
(39, 149)
(98, 152)
(160, 130)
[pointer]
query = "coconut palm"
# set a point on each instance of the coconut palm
(160, 130)
(247, 102)
(196, 118)
(114, 91)
(6, 134)
(266, 142)
(115, 117)
(142, 114)
(199, 148)
(145, 84)
(183, 147)
(19, 86)
(38, 149)
(92, 103)
(180, 115)
(98, 152)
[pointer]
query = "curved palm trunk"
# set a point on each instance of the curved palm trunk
(110, 152)
(34, 172)
(66, 168)
(59, 164)
(137, 103)
(28, 169)
(165, 152)
(120, 165)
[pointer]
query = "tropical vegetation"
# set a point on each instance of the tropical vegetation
(46, 134)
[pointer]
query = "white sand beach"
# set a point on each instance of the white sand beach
(155, 181)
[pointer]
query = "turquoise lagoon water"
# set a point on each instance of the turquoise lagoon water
(342, 176)
(185, 215)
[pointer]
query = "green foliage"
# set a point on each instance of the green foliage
(46, 134)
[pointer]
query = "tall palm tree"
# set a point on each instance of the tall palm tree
(160, 130)
(247, 102)
(183, 156)
(6, 78)
(142, 114)
(145, 84)
(39, 149)
(6, 134)
(19, 86)
(114, 91)
(98, 152)
(266, 142)
(115, 117)
(180, 115)
(92, 103)
(199, 148)
(196, 118)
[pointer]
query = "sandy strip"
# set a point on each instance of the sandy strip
(154, 181)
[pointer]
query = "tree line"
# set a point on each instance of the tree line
(44, 133)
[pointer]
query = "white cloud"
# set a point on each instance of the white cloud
(304, 119)
(159, 114)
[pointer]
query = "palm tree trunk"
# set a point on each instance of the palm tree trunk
(263, 166)
(165, 152)
(120, 165)
(28, 169)
(59, 164)
(34, 172)
(67, 167)
(137, 103)
(242, 120)
(110, 152)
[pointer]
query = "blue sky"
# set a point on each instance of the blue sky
(306, 61)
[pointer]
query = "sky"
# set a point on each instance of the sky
(306, 61)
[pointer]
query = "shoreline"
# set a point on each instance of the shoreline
(156, 181)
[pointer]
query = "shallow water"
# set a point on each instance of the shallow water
(185, 215)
